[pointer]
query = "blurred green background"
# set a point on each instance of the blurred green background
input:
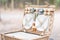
(22, 3)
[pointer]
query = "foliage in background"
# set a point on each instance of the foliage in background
(51, 1)
(57, 3)
(3, 1)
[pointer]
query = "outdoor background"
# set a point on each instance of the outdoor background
(21, 3)
(13, 10)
